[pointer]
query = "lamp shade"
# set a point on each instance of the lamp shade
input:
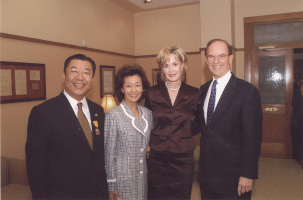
(108, 102)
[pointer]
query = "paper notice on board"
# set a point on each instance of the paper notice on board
(35, 86)
(20, 79)
(6, 82)
(34, 75)
(108, 82)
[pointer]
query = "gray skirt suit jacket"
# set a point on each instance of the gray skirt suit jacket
(126, 142)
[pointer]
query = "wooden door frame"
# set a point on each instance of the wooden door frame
(250, 49)
(275, 149)
(249, 22)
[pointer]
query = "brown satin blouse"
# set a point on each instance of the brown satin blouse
(172, 123)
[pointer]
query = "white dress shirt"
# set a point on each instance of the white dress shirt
(221, 84)
(74, 103)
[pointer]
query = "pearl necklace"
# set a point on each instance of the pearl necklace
(174, 89)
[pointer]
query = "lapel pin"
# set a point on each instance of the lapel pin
(96, 125)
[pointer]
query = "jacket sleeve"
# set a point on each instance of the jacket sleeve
(36, 152)
(196, 123)
(110, 150)
(252, 134)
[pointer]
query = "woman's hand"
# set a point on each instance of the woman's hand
(114, 194)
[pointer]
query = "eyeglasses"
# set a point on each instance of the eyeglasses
(76, 71)
(220, 57)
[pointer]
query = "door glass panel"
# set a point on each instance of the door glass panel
(278, 33)
(272, 79)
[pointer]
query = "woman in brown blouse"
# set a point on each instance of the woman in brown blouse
(173, 103)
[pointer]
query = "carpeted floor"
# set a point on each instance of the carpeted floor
(279, 179)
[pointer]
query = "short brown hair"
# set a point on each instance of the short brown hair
(229, 47)
(163, 56)
(130, 70)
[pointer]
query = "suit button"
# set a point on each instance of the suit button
(171, 110)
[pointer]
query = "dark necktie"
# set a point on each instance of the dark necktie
(211, 103)
(85, 125)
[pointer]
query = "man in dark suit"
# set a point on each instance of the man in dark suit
(231, 128)
(297, 83)
(64, 155)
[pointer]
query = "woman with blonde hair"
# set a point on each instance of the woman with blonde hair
(173, 103)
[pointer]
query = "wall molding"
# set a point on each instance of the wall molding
(234, 49)
(59, 44)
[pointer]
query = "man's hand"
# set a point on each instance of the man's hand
(245, 185)
(113, 194)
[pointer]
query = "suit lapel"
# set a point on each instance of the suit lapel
(227, 95)
(164, 95)
(97, 124)
(203, 93)
(71, 120)
(181, 94)
(129, 115)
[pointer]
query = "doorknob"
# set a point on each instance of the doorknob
(271, 109)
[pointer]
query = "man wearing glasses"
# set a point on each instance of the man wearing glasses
(230, 120)
(65, 142)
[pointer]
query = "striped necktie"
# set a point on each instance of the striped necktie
(211, 103)
(85, 125)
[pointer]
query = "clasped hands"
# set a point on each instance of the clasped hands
(114, 195)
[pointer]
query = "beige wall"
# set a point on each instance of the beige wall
(14, 115)
(215, 18)
(109, 27)
(216, 22)
(158, 29)
(104, 25)
(239, 62)
(252, 8)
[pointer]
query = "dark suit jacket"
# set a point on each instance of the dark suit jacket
(230, 147)
(60, 162)
(172, 123)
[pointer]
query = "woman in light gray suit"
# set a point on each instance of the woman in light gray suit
(127, 133)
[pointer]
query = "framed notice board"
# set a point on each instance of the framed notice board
(21, 82)
(107, 80)
(156, 76)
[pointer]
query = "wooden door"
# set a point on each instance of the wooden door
(272, 74)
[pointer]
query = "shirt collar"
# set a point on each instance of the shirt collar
(224, 79)
(74, 103)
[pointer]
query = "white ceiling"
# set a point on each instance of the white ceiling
(139, 6)
(161, 3)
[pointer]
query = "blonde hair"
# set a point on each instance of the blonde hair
(163, 58)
